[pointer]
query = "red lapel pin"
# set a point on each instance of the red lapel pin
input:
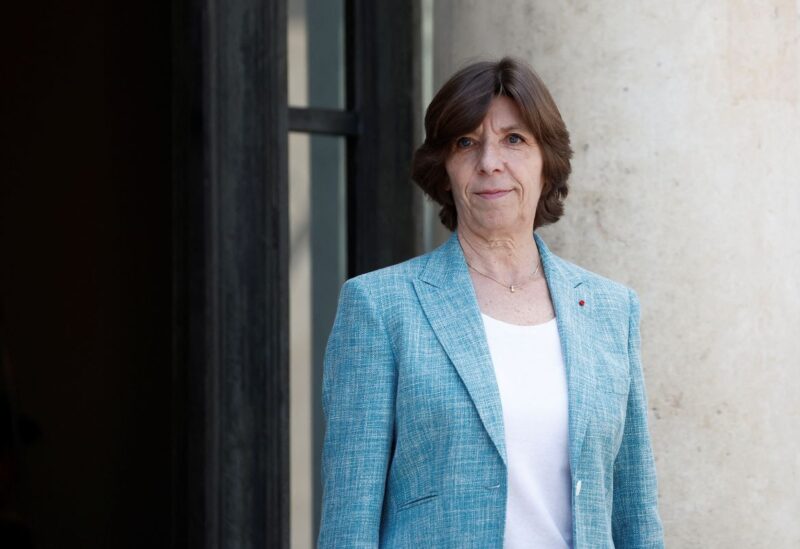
(581, 303)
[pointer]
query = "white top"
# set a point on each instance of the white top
(532, 380)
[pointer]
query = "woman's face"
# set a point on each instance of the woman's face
(495, 173)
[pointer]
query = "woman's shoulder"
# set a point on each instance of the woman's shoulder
(611, 291)
(578, 274)
(393, 280)
(596, 279)
(407, 269)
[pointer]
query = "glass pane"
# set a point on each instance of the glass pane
(315, 35)
(432, 231)
(318, 262)
(318, 242)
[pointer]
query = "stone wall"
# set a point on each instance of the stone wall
(685, 121)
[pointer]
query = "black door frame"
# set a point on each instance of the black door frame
(231, 247)
(231, 453)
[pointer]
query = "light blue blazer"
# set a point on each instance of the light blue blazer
(414, 453)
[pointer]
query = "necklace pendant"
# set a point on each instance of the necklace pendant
(512, 288)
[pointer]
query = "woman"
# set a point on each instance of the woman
(488, 394)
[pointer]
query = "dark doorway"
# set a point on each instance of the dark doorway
(86, 272)
(145, 258)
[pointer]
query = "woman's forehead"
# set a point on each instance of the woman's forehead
(503, 115)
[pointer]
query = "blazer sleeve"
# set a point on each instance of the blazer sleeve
(358, 400)
(635, 521)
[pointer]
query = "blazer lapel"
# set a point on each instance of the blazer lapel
(573, 324)
(445, 291)
(446, 294)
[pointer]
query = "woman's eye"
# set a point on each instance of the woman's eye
(463, 142)
(515, 139)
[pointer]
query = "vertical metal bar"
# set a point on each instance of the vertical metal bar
(352, 104)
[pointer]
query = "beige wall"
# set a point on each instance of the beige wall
(685, 120)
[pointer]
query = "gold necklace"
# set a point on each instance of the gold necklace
(511, 287)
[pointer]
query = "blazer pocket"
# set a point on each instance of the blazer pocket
(612, 373)
(417, 501)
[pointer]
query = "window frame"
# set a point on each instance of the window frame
(231, 123)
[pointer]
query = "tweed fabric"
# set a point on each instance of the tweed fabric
(414, 452)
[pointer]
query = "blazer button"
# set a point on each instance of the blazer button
(578, 488)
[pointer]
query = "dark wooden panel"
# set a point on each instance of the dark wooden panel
(231, 265)
(381, 85)
(323, 121)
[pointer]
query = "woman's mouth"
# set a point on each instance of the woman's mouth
(493, 194)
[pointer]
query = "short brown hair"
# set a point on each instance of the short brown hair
(460, 106)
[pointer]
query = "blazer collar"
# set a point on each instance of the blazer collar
(447, 262)
(447, 296)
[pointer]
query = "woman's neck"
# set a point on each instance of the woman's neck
(506, 257)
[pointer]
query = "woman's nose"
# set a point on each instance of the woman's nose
(490, 160)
